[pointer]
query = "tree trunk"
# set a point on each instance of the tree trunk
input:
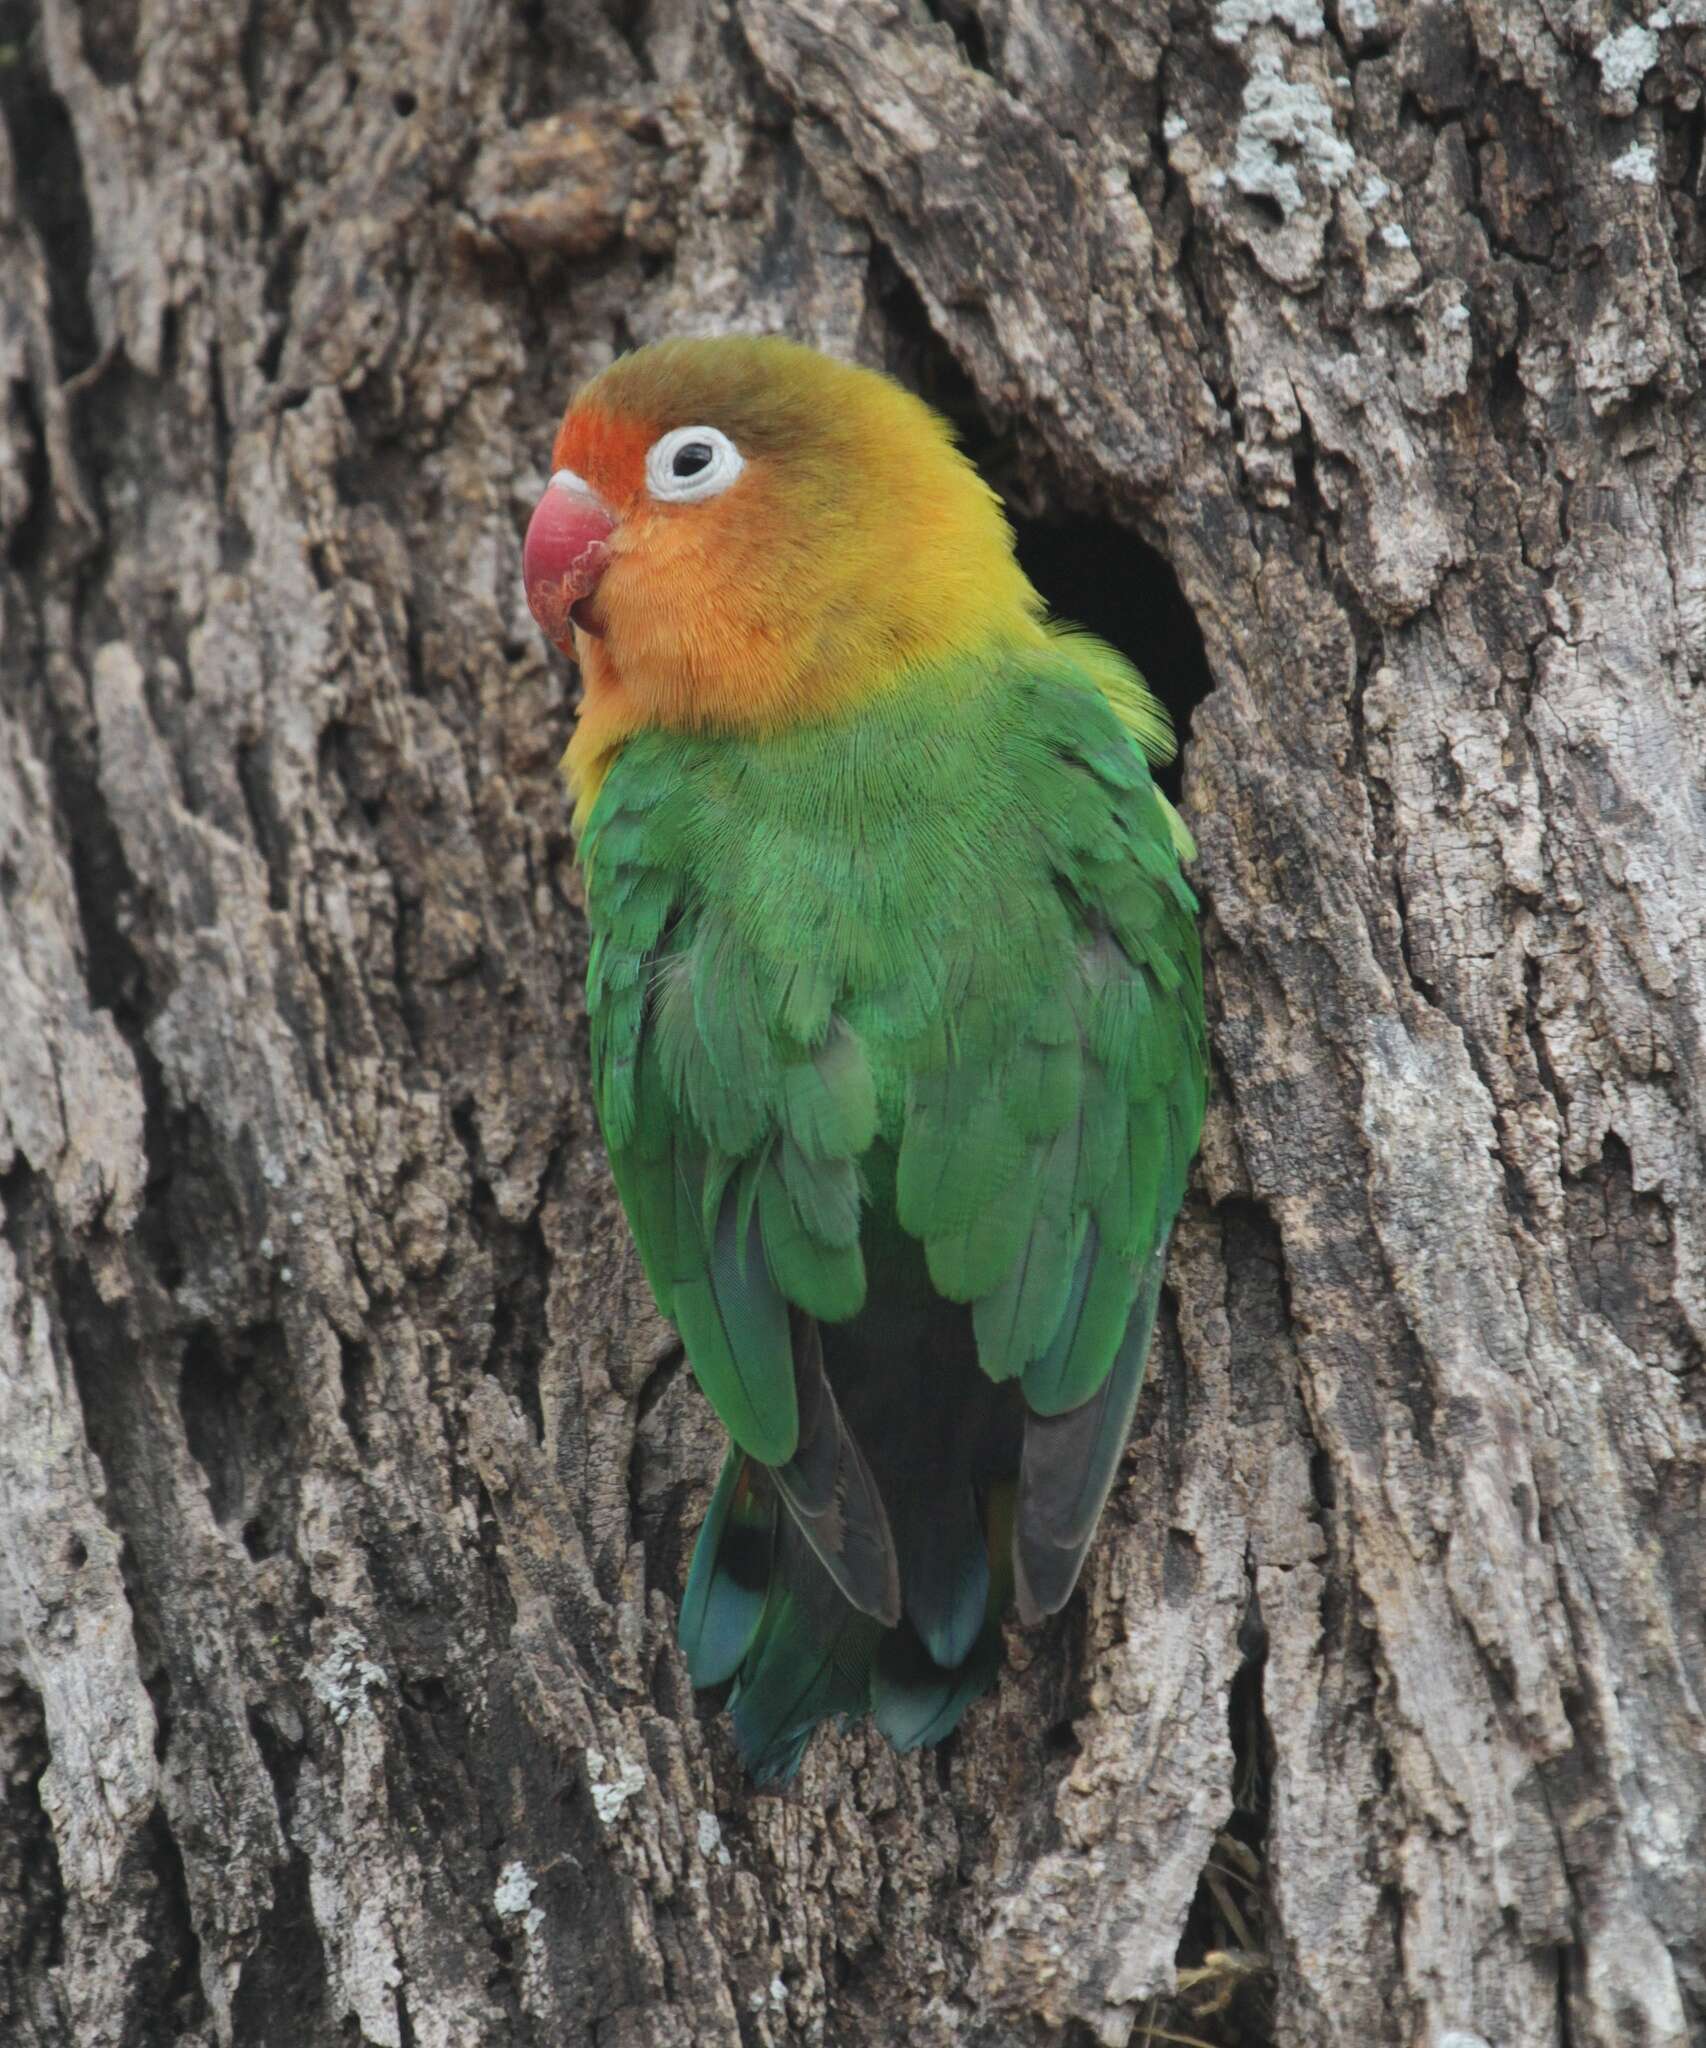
(346, 1472)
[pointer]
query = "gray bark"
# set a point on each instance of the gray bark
(346, 1474)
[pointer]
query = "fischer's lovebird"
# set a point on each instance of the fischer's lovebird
(896, 1007)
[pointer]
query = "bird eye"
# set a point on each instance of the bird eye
(692, 463)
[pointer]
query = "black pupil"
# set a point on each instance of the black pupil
(691, 458)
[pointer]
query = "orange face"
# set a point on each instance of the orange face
(740, 534)
(663, 541)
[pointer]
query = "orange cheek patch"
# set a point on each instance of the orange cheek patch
(704, 602)
(700, 607)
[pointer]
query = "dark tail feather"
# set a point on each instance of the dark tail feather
(810, 1659)
(814, 1656)
(1068, 1466)
(828, 1489)
(914, 1699)
(947, 1566)
(730, 1579)
(936, 1432)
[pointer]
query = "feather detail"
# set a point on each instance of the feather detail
(810, 1660)
(730, 1576)
(734, 1325)
(1069, 1464)
(828, 1490)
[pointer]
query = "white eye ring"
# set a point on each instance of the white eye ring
(713, 462)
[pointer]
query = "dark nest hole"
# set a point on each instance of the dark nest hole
(1099, 575)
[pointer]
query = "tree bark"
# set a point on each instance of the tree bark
(347, 1474)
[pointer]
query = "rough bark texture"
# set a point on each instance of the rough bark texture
(346, 1474)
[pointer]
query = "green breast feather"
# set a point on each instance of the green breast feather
(898, 1021)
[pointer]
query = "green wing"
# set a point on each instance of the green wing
(1050, 1128)
(734, 1145)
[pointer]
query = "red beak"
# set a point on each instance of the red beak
(565, 553)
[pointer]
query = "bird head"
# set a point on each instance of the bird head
(741, 533)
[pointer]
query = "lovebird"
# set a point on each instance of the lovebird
(896, 1013)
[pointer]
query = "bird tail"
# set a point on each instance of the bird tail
(918, 1701)
(763, 1617)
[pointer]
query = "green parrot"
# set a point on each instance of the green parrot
(896, 1006)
